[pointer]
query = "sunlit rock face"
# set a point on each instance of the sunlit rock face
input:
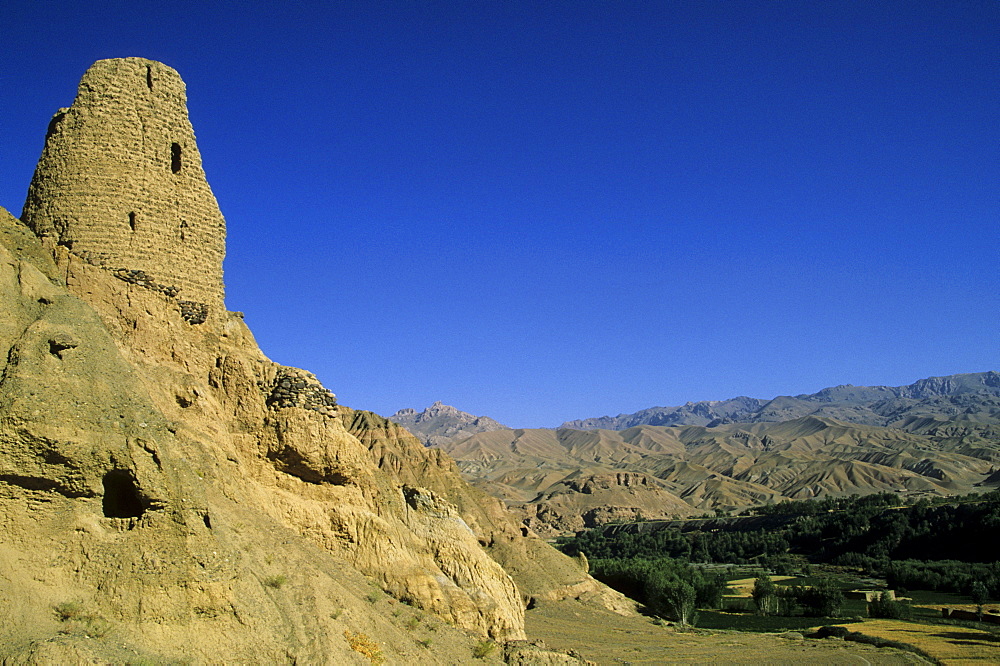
(167, 491)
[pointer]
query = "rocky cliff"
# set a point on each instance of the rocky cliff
(169, 493)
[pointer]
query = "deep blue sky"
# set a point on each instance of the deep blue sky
(554, 210)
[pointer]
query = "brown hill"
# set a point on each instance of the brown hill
(569, 479)
(170, 494)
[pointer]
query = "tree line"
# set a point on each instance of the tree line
(667, 587)
(927, 545)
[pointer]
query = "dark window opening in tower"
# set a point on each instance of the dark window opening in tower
(121, 495)
(149, 77)
(131, 221)
(175, 157)
(184, 225)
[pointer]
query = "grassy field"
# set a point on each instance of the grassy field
(606, 638)
(738, 609)
(950, 642)
(737, 634)
(929, 604)
(742, 587)
(951, 645)
(749, 621)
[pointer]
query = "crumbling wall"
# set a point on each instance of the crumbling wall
(120, 184)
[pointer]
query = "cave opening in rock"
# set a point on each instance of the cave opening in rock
(121, 495)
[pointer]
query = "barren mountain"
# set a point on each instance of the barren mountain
(442, 423)
(939, 435)
(567, 479)
(974, 396)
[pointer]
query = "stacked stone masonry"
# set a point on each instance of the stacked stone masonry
(293, 387)
(143, 279)
(120, 184)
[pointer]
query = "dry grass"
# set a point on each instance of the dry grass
(637, 640)
(362, 644)
(948, 644)
(276, 582)
(76, 620)
(483, 649)
(743, 587)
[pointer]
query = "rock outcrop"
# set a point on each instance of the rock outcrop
(169, 493)
(441, 424)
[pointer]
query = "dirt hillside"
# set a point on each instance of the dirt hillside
(166, 491)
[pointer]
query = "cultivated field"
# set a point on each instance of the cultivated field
(952, 645)
(606, 638)
(987, 608)
(743, 587)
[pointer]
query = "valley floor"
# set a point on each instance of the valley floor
(951, 645)
(606, 638)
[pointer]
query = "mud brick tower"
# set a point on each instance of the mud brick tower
(120, 184)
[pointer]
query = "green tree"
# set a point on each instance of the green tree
(885, 606)
(675, 596)
(980, 595)
(765, 595)
(709, 589)
(823, 599)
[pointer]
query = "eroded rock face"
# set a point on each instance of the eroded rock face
(307, 469)
(109, 529)
(166, 491)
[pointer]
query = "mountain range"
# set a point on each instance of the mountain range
(938, 436)
(952, 395)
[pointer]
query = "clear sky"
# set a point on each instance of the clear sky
(542, 211)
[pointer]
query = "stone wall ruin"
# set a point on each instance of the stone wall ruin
(120, 184)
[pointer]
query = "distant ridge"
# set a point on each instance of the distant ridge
(565, 480)
(936, 436)
(441, 423)
(865, 405)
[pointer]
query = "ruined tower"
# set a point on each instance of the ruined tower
(120, 185)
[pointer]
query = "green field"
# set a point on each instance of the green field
(752, 622)
(738, 612)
